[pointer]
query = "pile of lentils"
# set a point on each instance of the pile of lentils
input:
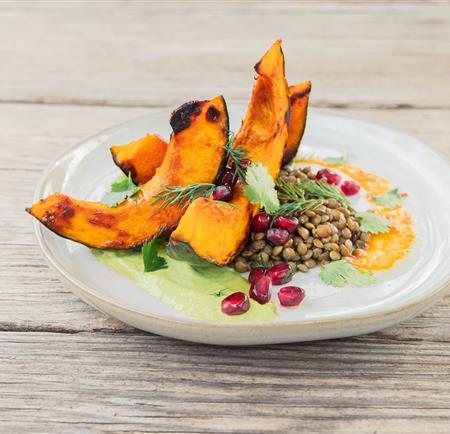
(327, 233)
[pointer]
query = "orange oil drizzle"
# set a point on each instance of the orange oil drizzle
(383, 250)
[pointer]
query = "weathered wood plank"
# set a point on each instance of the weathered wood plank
(148, 53)
(32, 298)
(143, 383)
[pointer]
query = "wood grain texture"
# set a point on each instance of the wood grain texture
(148, 53)
(76, 68)
(152, 384)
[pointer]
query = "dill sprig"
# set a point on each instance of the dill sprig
(237, 156)
(322, 190)
(177, 195)
(308, 194)
(300, 206)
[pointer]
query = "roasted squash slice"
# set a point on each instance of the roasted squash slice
(143, 156)
(140, 158)
(215, 231)
(298, 102)
(194, 155)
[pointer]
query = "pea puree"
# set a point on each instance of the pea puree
(197, 292)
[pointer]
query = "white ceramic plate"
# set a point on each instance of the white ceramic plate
(412, 285)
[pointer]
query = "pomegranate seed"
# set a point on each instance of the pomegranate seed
(235, 304)
(291, 295)
(261, 222)
(255, 274)
(349, 188)
(230, 165)
(259, 290)
(329, 176)
(286, 222)
(277, 236)
(227, 178)
(246, 162)
(222, 192)
(280, 274)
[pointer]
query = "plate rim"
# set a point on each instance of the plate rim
(436, 292)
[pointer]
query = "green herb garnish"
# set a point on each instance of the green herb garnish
(308, 193)
(176, 195)
(260, 188)
(259, 263)
(237, 156)
(390, 199)
(220, 293)
(322, 190)
(373, 223)
(337, 161)
(120, 190)
(341, 273)
(152, 262)
(292, 208)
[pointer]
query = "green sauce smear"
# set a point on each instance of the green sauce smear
(197, 292)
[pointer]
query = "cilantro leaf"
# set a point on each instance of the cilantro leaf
(342, 159)
(152, 262)
(341, 273)
(390, 199)
(120, 190)
(373, 223)
(260, 188)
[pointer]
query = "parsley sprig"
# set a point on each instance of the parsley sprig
(152, 262)
(373, 223)
(342, 273)
(260, 188)
(177, 195)
(389, 199)
(120, 190)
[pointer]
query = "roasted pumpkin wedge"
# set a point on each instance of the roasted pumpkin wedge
(298, 103)
(140, 158)
(143, 156)
(215, 231)
(194, 155)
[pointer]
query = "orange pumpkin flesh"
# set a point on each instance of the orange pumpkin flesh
(215, 231)
(298, 101)
(143, 156)
(140, 157)
(194, 155)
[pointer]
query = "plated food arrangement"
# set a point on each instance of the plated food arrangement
(223, 226)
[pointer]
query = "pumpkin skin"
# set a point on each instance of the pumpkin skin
(140, 158)
(194, 155)
(215, 231)
(298, 102)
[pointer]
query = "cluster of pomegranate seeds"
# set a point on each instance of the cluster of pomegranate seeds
(288, 223)
(222, 192)
(291, 295)
(329, 176)
(260, 290)
(235, 304)
(280, 274)
(349, 188)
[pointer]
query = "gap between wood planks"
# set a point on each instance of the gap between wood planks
(380, 337)
(136, 104)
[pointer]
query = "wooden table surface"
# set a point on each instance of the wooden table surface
(70, 69)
